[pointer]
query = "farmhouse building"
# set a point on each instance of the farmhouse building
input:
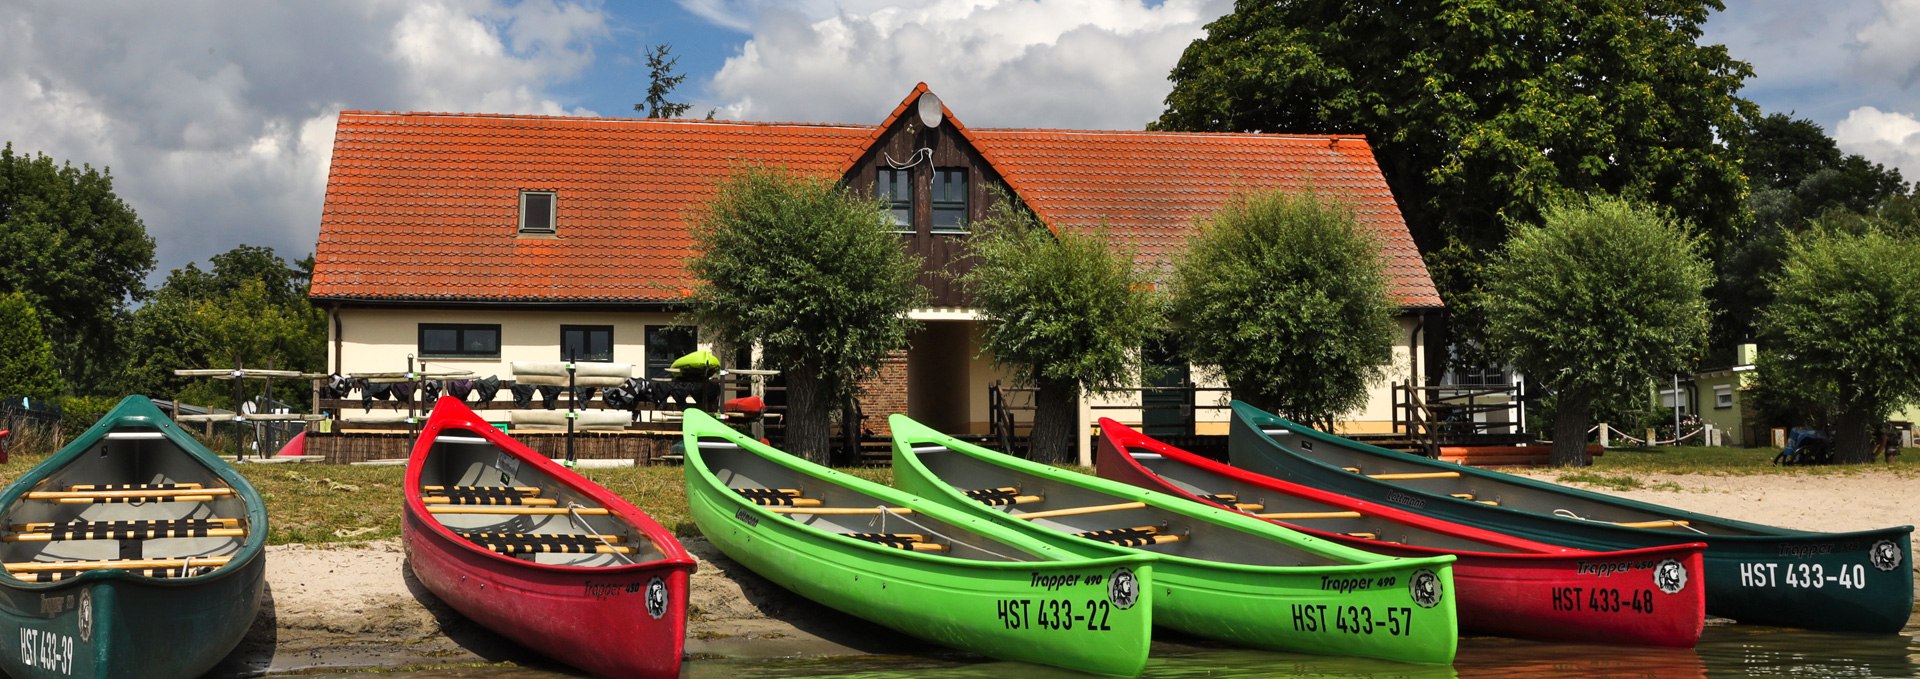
(471, 241)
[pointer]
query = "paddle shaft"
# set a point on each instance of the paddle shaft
(1075, 511)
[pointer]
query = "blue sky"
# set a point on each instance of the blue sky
(217, 117)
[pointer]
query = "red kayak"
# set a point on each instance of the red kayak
(1508, 586)
(539, 554)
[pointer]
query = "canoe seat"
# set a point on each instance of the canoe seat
(131, 495)
(1233, 502)
(779, 497)
(1365, 536)
(1470, 498)
(909, 541)
(126, 530)
(1295, 516)
(1138, 536)
(550, 543)
(134, 486)
(1662, 523)
(488, 495)
(1001, 497)
(50, 571)
(529, 511)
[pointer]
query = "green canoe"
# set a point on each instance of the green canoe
(1858, 582)
(912, 565)
(131, 552)
(1221, 574)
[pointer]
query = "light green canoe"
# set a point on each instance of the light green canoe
(912, 565)
(1220, 574)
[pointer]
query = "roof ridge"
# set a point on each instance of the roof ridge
(1176, 133)
(601, 119)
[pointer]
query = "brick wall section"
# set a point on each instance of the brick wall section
(885, 393)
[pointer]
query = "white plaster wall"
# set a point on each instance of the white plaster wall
(379, 340)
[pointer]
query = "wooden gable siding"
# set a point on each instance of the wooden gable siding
(943, 255)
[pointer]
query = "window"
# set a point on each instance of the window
(666, 343)
(459, 340)
(536, 212)
(1723, 396)
(586, 342)
(896, 188)
(950, 199)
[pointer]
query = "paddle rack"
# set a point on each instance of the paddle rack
(241, 414)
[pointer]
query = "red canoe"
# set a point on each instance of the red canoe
(539, 554)
(1508, 586)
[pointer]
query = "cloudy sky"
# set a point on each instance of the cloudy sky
(216, 117)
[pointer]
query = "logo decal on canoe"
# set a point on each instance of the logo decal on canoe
(86, 615)
(1670, 576)
(1885, 555)
(656, 598)
(1122, 588)
(1425, 588)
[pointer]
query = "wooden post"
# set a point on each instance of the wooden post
(1605, 435)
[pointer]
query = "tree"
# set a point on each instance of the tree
(251, 309)
(1285, 295)
(26, 357)
(1066, 310)
(660, 84)
(1601, 298)
(1482, 113)
(77, 252)
(811, 273)
(1842, 334)
(1798, 175)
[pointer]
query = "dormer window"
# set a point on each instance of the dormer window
(895, 188)
(950, 199)
(536, 212)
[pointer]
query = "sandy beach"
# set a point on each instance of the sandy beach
(355, 606)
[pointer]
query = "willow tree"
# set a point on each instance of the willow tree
(1843, 331)
(1285, 296)
(815, 276)
(1594, 303)
(1064, 310)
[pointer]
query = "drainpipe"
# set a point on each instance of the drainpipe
(334, 314)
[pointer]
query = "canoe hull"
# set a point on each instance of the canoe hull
(1008, 597)
(1508, 586)
(1856, 582)
(143, 629)
(569, 616)
(112, 622)
(1373, 607)
(613, 616)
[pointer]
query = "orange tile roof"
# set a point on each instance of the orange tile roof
(1149, 187)
(424, 206)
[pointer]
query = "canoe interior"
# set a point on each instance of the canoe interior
(1500, 488)
(126, 455)
(461, 457)
(1198, 539)
(739, 468)
(1203, 483)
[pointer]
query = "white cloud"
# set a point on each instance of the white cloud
(1064, 63)
(217, 118)
(1887, 45)
(1884, 137)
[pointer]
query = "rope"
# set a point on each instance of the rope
(1568, 514)
(571, 506)
(1656, 442)
(886, 511)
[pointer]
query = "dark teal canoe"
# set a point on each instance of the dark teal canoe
(131, 552)
(1858, 582)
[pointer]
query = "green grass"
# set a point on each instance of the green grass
(1612, 481)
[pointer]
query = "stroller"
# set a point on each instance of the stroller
(1805, 445)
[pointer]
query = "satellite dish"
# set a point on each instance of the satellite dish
(929, 106)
